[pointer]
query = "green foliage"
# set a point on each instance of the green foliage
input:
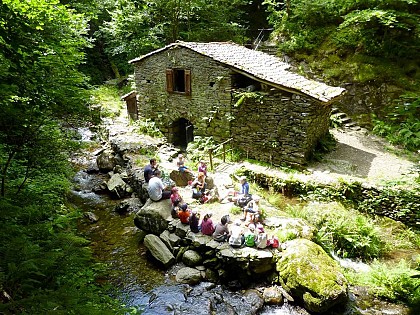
(199, 148)
(286, 235)
(241, 97)
(395, 283)
(345, 232)
(325, 144)
(45, 267)
(401, 125)
(362, 40)
(44, 264)
(106, 101)
(40, 84)
(235, 210)
(148, 127)
(136, 28)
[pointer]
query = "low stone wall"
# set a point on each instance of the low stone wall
(396, 203)
(208, 260)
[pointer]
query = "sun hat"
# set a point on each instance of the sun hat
(194, 211)
(237, 222)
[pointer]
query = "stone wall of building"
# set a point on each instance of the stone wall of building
(208, 106)
(279, 128)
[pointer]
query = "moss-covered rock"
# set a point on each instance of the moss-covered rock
(311, 276)
(152, 217)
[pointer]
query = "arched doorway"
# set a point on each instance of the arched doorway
(182, 132)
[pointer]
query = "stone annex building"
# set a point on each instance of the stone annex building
(227, 91)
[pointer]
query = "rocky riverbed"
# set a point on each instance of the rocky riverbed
(128, 146)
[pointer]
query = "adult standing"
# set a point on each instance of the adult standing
(150, 169)
(156, 188)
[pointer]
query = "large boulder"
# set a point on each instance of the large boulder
(191, 258)
(254, 299)
(131, 205)
(117, 187)
(159, 250)
(209, 182)
(181, 178)
(106, 161)
(153, 216)
(188, 275)
(311, 276)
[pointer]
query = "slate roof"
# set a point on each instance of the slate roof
(257, 64)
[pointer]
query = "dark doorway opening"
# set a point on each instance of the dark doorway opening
(183, 132)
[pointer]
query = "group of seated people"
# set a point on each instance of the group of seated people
(251, 235)
(189, 216)
(158, 191)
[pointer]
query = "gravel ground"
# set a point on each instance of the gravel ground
(362, 155)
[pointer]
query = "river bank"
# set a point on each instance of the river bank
(121, 132)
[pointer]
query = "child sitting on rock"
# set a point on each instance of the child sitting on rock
(181, 164)
(236, 238)
(207, 227)
(250, 236)
(194, 219)
(221, 233)
(184, 213)
(252, 210)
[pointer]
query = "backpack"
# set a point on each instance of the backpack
(273, 242)
(243, 201)
(249, 239)
(261, 241)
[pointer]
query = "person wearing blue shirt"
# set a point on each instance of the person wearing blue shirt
(150, 169)
(244, 186)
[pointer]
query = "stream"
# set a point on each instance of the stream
(150, 290)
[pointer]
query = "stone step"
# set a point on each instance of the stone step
(339, 115)
(345, 120)
(335, 110)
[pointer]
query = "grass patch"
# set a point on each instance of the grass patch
(147, 127)
(345, 232)
(107, 100)
(394, 283)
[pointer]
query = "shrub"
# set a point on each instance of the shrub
(147, 127)
(345, 232)
(396, 283)
(401, 126)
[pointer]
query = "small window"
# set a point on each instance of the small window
(178, 81)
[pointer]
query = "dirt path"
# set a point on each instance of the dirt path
(365, 157)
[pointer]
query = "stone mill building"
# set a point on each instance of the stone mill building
(227, 91)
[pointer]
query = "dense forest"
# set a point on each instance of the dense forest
(54, 53)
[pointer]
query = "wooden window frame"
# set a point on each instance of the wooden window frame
(170, 81)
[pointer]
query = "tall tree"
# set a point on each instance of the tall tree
(137, 27)
(42, 46)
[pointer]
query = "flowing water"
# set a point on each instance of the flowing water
(115, 241)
